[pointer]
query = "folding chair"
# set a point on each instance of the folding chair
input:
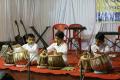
(61, 27)
(75, 30)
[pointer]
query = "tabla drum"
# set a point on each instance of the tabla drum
(85, 63)
(55, 62)
(101, 63)
(8, 59)
(21, 58)
(42, 61)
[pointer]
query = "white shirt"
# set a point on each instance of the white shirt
(59, 48)
(102, 48)
(32, 50)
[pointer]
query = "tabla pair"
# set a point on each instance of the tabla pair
(100, 64)
(19, 57)
(51, 61)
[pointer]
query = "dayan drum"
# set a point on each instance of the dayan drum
(101, 63)
(21, 58)
(8, 59)
(55, 62)
(85, 62)
(42, 61)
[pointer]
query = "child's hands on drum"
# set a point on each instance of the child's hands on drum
(97, 51)
(44, 52)
(10, 50)
(54, 52)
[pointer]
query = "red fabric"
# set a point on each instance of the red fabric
(76, 72)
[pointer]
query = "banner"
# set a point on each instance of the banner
(108, 10)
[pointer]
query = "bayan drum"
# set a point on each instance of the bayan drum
(101, 63)
(8, 58)
(21, 58)
(42, 61)
(55, 62)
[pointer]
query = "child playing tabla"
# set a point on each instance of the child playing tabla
(31, 47)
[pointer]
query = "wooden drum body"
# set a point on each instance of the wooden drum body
(8, 58)
(85, 64)
(101, 63)
(42, 61)
(55, 62)
(21, 58)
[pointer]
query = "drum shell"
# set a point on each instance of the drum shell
(55, 62)
(101, 63)
(85, 63)
(8, 58)
(21, 58)
(43, 60)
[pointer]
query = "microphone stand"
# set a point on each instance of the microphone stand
(28, 64)
(81, 72)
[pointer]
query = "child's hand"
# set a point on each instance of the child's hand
(40, 50)
(98, 52)
(44, 52)
(55, 52)
(10, 50)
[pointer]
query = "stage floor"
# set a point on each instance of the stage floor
(46, 74)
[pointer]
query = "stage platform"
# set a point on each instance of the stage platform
(46, 74)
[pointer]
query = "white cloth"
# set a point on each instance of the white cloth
(32, 50)
(102, 48)
(59, 48)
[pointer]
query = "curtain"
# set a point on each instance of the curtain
(42, 13)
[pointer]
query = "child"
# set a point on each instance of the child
(98, 50)
(59, 46)
(100, 47)
(101, 57)
(31, 47)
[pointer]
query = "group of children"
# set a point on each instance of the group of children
(59, 46)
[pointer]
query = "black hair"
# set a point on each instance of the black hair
(30, 35)
(59, 34)
(100, 36)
